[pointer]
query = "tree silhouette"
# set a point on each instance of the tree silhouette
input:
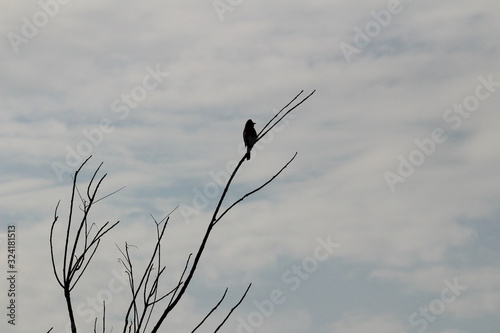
(82, 240)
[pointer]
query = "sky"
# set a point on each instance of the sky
(386, 221)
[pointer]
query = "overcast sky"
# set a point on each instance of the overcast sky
(386, 221)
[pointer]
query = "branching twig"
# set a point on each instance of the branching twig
(276, 115)
(82, 243)
(233, 308)
(180, 279)
(286, 113)
(150, 301)
(216, 217)
(110, 194)
(70, 217)
(211, 311)
(257, 189)
(79, 250)
(51, 241)
(103, 319)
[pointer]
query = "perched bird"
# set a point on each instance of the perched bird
(249, 136)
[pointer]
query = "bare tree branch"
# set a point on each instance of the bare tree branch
(70, 217)
(103, 319)
(233, 308)
(86, 211)
(110, 194)
(82, 242)
(276, 115)
(180, 279)
(286, 113)
(215, 219)
(51, 241)
(211, 311)
(257, 189)
(136, 290)
(76, 260)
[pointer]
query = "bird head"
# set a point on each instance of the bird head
(249, 123)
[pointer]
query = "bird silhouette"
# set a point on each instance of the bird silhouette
(249, 136)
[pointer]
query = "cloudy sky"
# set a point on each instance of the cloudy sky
(386, 221)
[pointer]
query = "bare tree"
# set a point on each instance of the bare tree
(81, 243)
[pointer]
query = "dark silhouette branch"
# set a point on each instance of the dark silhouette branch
(82, 242)
(180, 279)
(70, 217)
(217, 305)
(141, 317)
(257, 189)
(286, 113)
(276, 115)
(175, 300)
(51, 241)
(211, 311)
(233, 308)
(84, 220)
(110, 194)
(215, 217)
(78, 249)
(103, 319)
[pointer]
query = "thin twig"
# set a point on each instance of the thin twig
(79, 249)
(166, 295)
(92, 180)
(52, 246)
(104, 317)
(215, 219)
(286, 113)
(257, 189)
(135, 291)
(180, 279)
(211, 311)
(276, 115)
(233, 308)
(82, 223)
(110, 194)
(70, 217)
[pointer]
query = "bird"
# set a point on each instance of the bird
(249, 136)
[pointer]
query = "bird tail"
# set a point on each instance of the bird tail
(248, 154)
